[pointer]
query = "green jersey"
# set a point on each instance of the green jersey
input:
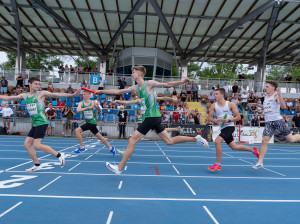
(36, 110)
(148, 102)
(89, 115)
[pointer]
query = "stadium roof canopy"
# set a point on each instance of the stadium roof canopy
(240, 31)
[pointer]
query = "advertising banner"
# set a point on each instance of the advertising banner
(193, 130)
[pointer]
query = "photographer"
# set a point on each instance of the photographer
(122, 121)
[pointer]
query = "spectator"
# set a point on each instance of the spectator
(234, 88)
(7, 113)
(61, 70)
(60, 104)
(72, 70)
(19, 89)
(124, 82)
(101, 84)
(19, 80)
(262, 119)
(244, 97)
(289, 105)
(121, 84)
(188, 88)
(235, 99)
(254, 121)
(174, 96)
(226, 88)
(245, 115)
(51, 114)
(288, 80)
(176, 116)
(162, 108)
(286, 119)
(251, 98)
(4, 84)
(263, 95)
(70, 90)
(195, 91)
(122, 121)
(296, 120)
(183, 96)
(196, 116)
(83, 84)
(211, 97)
(298, 85)
(69, 113)
(63, 116)
(19, 112)
(167, 92)
(166, 117)
(50, 87)
(26, 81)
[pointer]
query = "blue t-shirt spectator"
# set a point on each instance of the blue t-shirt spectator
(127, 96)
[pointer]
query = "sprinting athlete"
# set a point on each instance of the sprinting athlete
(273, 120)
(151, 118)
(87, 107)
(35, 105)
(227, 113)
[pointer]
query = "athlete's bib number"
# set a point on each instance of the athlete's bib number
(88, 114)
(32, 109)
(268, 107)
(143, 107)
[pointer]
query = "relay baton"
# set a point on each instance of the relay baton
(89, 90)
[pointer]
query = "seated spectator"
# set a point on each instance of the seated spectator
(162, 108)
(235, 100)
(211, 97)
(245, 115)
(183, 96)
(7, 113)
(191, 119)
(19, 111)
(254, 121)
(286, 119)
(196, 116)
(50, 87)
(60, 104)
(262, 119)
(19, 89)
(166, 117)
(176, 116)
(251, 98)
(51, 114)
(289, 105)
(167, 92)
(296, 120)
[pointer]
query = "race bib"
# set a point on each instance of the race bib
(32, 109)
(88, 114)
(267, 107)
(143, 107)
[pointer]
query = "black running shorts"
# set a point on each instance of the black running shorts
(151, 123)
(226, 134)
(92, 127)
(38, 131)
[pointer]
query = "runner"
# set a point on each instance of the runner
(87, 107)
(151, 118)
(273, 120)
(35, 105)
(227, 113)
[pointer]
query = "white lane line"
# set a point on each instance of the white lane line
(189, 187)
(274, 171)
(125, 168)
(89, 157)
(246, 161)
(13, 207)
(120, 185)
(175, 169)
(49, 183)
(211, 216)
(168, 160)
(109, 217)
(74, 166)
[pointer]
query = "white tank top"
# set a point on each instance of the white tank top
(271, 109)
(221, 112)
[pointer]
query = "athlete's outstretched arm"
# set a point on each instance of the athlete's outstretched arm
(7, 98)
(46, 93)
(128, 102)
(167, 84)
(117, 91)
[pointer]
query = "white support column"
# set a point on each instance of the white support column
(184, 71)
(102, 66)
(20, 62)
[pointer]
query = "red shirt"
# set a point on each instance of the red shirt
(176, 115)
(60, 105)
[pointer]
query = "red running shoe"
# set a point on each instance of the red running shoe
(255, 152)
(214, 167)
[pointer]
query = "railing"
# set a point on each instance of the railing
(113, 79)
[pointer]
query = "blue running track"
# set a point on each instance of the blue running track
(160, 184)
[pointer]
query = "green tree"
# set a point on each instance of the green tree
(81, 61)
(275, 72)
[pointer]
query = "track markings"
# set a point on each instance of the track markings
(125, 168)
(191, 189)
(175, 169)
(13, 207)
(120, 185)
(109, 217)
(211, 216)
(49, 183)
(74, 166)
(156, 170)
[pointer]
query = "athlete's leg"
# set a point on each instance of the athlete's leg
(293, 138)
(178, 139)
(218, 142)
(263, 148)
(32, 153)
(171, 129)
(136, 136)
(79, 136)
(37, 143)
(234, 146)
(102, 139)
